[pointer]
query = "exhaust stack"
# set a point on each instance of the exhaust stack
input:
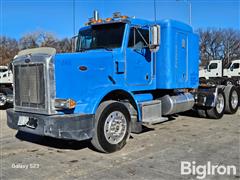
(95, 15)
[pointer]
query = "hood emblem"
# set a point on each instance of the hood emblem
(27, 60)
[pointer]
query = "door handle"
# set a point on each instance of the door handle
(120, 67)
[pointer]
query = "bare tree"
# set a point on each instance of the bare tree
(44, 39)
(64, 45)
(30, 40)
(8, 49)
(221, 44)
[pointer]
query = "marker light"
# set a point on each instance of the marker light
(108, 19)
(65, 104)
(124, 17)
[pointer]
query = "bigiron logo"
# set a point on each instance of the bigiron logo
(201, 171)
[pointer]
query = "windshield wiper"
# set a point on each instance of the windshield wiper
(102, 47)
(82, 49)
(99, 47)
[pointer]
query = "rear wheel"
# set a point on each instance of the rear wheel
(229, 82)
(3, 100)
(217, 111)
(232, 99)
(112, 128)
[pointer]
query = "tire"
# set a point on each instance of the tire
(232, 99)
(229, 82)
(210, 82)
(3, 100)
(114, 116)
(202, 113)
(4, 92)
(237, 82)
(202, 80)
(217, 111)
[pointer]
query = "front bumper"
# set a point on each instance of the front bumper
(68, 126)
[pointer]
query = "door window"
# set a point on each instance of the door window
(138, 37)
(236, 66)
(213, 66)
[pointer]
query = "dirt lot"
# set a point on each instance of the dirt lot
(155, 154)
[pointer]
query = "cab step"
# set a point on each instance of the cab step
(154, 121)
(152, 112)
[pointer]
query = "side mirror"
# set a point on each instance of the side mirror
(208, 69)
(231, 68)
(10, 66)
(155, 38)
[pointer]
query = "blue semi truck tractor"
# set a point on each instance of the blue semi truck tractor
(125, 72)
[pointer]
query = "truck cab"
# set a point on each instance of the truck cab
(233, 69)
(212, 69)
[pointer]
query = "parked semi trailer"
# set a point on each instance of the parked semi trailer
(6, 91)
(214, 73)
(125, 72)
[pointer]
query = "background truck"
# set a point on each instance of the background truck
(6, 91)
(125, 72)
(214, 73)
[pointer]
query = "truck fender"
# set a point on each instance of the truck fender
(108, 92)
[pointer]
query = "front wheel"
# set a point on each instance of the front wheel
(217, 111)
(112, 127)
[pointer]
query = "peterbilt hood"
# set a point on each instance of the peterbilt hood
(83, 56)
(78, 75)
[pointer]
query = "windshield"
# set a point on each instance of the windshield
(3, 70)
(106, 36)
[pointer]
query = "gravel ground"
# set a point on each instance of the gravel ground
(155, 154)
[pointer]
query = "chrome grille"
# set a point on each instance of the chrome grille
(29, 85)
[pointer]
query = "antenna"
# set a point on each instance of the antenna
(73, 6)
(73, 17)
(155, 11)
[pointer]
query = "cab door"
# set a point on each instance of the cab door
(138, 58)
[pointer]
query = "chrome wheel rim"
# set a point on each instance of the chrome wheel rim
(238, 82)
(234, 99)
(3, 99)
(115, 127)
(220, 103)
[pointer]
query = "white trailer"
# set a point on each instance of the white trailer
(6, 91)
